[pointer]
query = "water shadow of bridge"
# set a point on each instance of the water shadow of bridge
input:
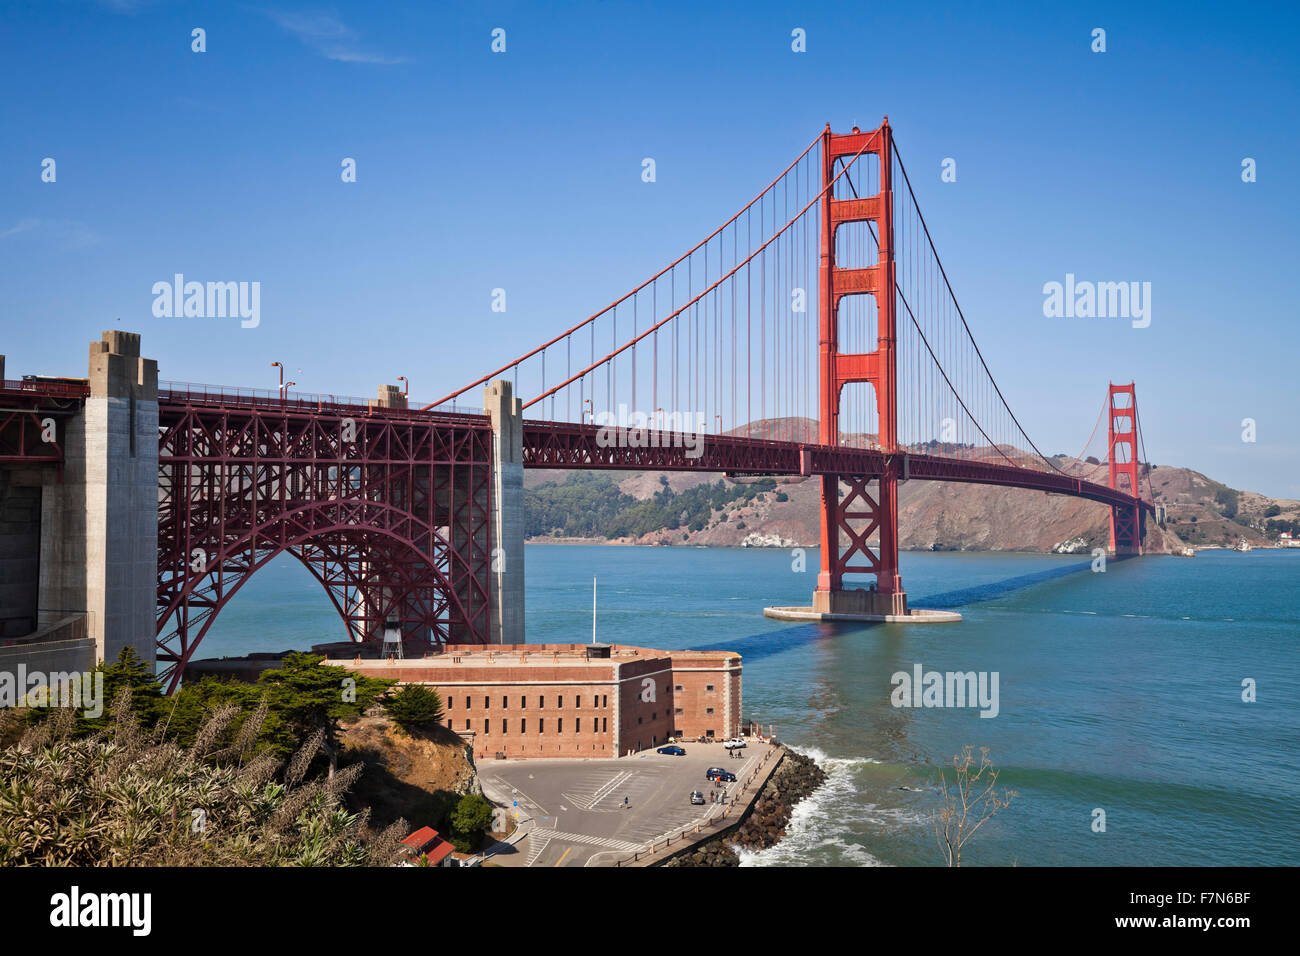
(771, 643)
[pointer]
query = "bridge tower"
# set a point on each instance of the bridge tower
(1125, 521)
(859, 514)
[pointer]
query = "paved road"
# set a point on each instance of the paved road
(577, 808)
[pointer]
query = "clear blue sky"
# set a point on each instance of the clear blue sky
(522, 171)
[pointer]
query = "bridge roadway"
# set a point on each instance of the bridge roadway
(565, 445)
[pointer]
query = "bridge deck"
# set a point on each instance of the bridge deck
(566, 445)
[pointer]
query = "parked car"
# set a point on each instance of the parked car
(697, 797)
(735, 743)
(672, 751)
(721, 776)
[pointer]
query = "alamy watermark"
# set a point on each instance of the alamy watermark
(638, 430)
(213, 300)
(78, 689)
(1098, 300)
(923, 688)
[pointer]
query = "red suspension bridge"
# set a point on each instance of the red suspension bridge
(815, 333)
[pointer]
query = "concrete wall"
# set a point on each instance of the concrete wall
(99, 526)
(507, 414)
(20, 549)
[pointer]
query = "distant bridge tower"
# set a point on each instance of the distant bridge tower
(858, 514)
(1125, 521)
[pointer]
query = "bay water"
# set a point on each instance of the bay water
(1120, 692)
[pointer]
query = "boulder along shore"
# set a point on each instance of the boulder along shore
(794, 780)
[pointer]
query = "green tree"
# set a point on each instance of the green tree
(305, 696)
(469, 821)
(414, 707)
(128, 673)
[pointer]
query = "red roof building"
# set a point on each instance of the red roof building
(425, 842)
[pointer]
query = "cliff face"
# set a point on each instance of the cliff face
(942, 516)
(418, 776)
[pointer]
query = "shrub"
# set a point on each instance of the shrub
(414, 707)
(122, 797)
(469, 821)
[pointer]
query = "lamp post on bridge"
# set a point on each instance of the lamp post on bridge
(280, 366)
(406, 388)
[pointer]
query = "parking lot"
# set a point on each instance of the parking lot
(575, 810)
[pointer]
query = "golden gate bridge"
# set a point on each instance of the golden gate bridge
(815, 333)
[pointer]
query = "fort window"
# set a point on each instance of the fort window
(523, 701)
(708, 688)
(559, 725)
(505, 702)
(523, 725)
(559, 700)
(708, 711)
(678, 712)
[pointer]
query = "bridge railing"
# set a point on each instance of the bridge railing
(294, 401)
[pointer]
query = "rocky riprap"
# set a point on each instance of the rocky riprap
(796, 778)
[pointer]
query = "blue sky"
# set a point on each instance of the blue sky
(522, 170)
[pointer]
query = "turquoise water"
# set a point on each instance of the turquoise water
(1120, 691)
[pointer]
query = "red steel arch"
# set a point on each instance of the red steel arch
(389, 509)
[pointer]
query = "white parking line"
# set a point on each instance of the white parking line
(585, 840)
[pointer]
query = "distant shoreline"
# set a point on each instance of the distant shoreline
(623, 543)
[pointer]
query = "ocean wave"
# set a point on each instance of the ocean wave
(816, 833)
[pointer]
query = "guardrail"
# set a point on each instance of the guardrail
(197, 392)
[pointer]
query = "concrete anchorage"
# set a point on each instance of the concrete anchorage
(507, 577)
(99, 525)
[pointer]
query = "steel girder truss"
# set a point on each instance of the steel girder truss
(390, 511)
(26, 437)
